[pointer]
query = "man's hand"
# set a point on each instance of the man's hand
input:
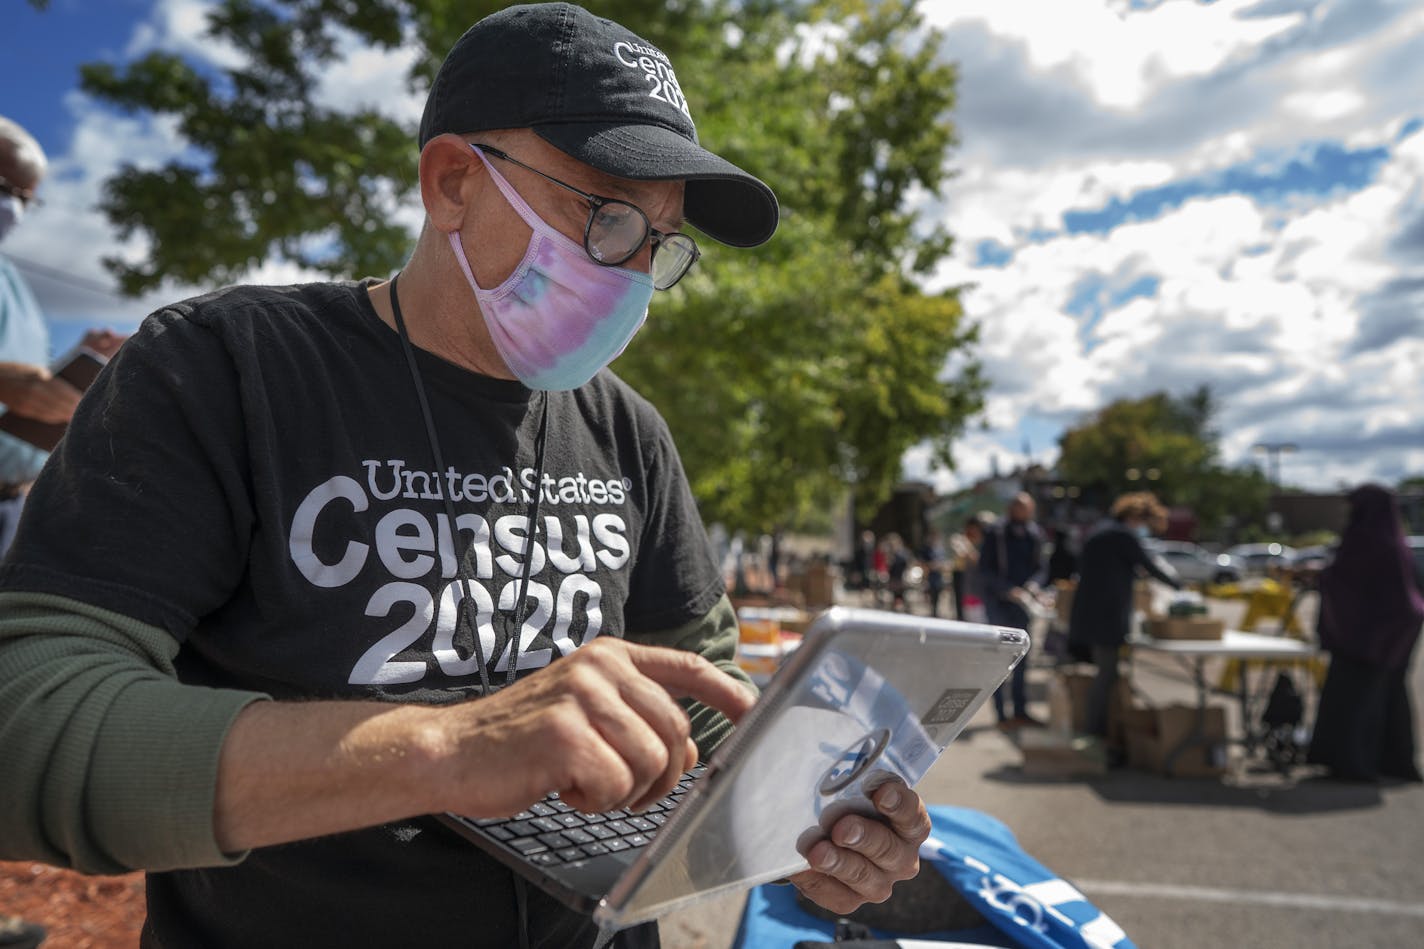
(863, 858)
(32, 391)
(105, 342)
(600, 726)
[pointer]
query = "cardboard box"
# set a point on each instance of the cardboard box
(1153, 734)
(1184, 627)
(1142, 596)
(818, 587)
(1139, 718)
(1063, 602)
(1068, 693)
(1048, 754)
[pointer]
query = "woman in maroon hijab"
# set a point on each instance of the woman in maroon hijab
(1370, 615)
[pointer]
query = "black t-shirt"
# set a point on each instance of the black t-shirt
(252, 474)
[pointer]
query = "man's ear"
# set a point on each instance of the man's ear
(449, 178)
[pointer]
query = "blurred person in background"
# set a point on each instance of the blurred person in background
(27, 387)
(1010, 567)
(1063, 562)
(1111, 561)
(862, 561)
(932, 557)
(964, 575)
(1370, 615)
(897, 568)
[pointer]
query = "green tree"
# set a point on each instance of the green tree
(786, 372)
(1167, 446)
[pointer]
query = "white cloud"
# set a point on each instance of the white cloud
(363, 77)
(1119, 56)
(1264, 314)
(180, 26)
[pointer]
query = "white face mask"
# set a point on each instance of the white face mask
(11, 210)
(560, 317)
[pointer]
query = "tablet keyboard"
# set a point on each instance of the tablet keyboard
(551, 832)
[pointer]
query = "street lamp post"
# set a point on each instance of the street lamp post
(1273, 452)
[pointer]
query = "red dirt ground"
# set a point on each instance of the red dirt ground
(80, 912)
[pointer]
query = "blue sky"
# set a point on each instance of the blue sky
(43, 51)
(1149, 195)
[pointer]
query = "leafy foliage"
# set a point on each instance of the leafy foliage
(1168, 446)
(787, 372)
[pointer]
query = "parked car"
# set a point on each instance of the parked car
(1312, 559)
(1258, 559)
(1193, 564)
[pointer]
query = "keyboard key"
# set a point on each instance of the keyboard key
(600, 831)
(637, 840)
(641, 823)
(658, 819)
(570, 819)
(524, 828)
(545, 859)
(570, 854)
(592, 818)
(579, 836)
(615, 844)
(499, 833)
(522, 815)
(560, 806)
(595, 849)
(540, 809)
(553, 841)
(620, 827)
(528, 845)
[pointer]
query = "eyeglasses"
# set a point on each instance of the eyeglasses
(616, 231)
(26, 195)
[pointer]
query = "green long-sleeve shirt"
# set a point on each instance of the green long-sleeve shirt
(110, 763)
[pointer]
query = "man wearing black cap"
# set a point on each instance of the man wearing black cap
(333, 512)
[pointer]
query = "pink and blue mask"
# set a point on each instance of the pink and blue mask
(559, 317)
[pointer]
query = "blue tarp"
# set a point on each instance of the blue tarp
(1027, 904)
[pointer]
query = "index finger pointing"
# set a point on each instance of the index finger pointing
(688, 675)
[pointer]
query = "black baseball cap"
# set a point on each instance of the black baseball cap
(598, 93)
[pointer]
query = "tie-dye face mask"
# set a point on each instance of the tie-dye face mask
(560, 317)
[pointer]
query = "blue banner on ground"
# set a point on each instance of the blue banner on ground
(1028, 905)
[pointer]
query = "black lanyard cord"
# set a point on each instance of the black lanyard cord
(466, 605)
(522, 605)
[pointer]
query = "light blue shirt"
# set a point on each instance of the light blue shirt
(24, 337)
